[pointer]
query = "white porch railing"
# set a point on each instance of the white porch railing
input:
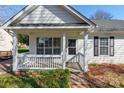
(29, 61)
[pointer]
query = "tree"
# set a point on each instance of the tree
(100, 15)
(24, 39)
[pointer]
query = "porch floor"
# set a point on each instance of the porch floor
(73, 66)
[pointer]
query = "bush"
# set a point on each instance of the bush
(37, 79)
(52, 78)
(16, 82)
(23, 50)
(93, 64)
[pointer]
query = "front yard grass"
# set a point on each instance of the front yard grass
(37, 79)
(109, 74)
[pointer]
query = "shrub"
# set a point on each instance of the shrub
(93, 64)
(52, 78)
(23, 50)
(37, 79)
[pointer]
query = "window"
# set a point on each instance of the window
(103, 46)
(56, 46)
(71, 46)
(49, 46)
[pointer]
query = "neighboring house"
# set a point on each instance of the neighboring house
(60, 34)
(5, 41)
(5, 44)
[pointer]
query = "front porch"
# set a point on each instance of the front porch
(31, 61)
(34, 59)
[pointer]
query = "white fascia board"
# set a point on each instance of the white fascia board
(51, 27)
(80, 16)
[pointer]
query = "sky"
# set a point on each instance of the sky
(117, 11)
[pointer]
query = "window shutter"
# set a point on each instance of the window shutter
(96, 46)
(111, 46)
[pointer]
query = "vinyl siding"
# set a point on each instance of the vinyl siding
(5, 41)
(118, 52)
(90, 58)
(49, 14)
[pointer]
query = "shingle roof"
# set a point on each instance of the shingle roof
(109, 25)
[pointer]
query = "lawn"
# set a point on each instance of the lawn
(109, 74)
(36, 79)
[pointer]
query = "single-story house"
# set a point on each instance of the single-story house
(59, 34)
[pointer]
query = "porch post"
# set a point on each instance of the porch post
(84, 51)
(64, 50)
(15, 51)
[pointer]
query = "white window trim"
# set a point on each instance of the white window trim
(50, 47)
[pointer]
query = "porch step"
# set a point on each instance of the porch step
(73, 66)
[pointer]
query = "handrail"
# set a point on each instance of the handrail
(75, 56)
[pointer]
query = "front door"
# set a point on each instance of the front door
(71, 48)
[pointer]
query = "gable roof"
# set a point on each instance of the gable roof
(109, 25)
(28, 9)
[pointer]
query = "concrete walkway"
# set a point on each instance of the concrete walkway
(78, 80)
(82, 80)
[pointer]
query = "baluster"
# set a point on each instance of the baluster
(34, 62)
(55, 62)
(47, 60)
(50, 62)
(39, 62)
(42, 61)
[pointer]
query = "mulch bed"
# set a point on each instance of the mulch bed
(112, 75)
(102, 68)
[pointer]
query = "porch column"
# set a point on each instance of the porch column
(64, 50)
(85, 68)
(15, 51)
